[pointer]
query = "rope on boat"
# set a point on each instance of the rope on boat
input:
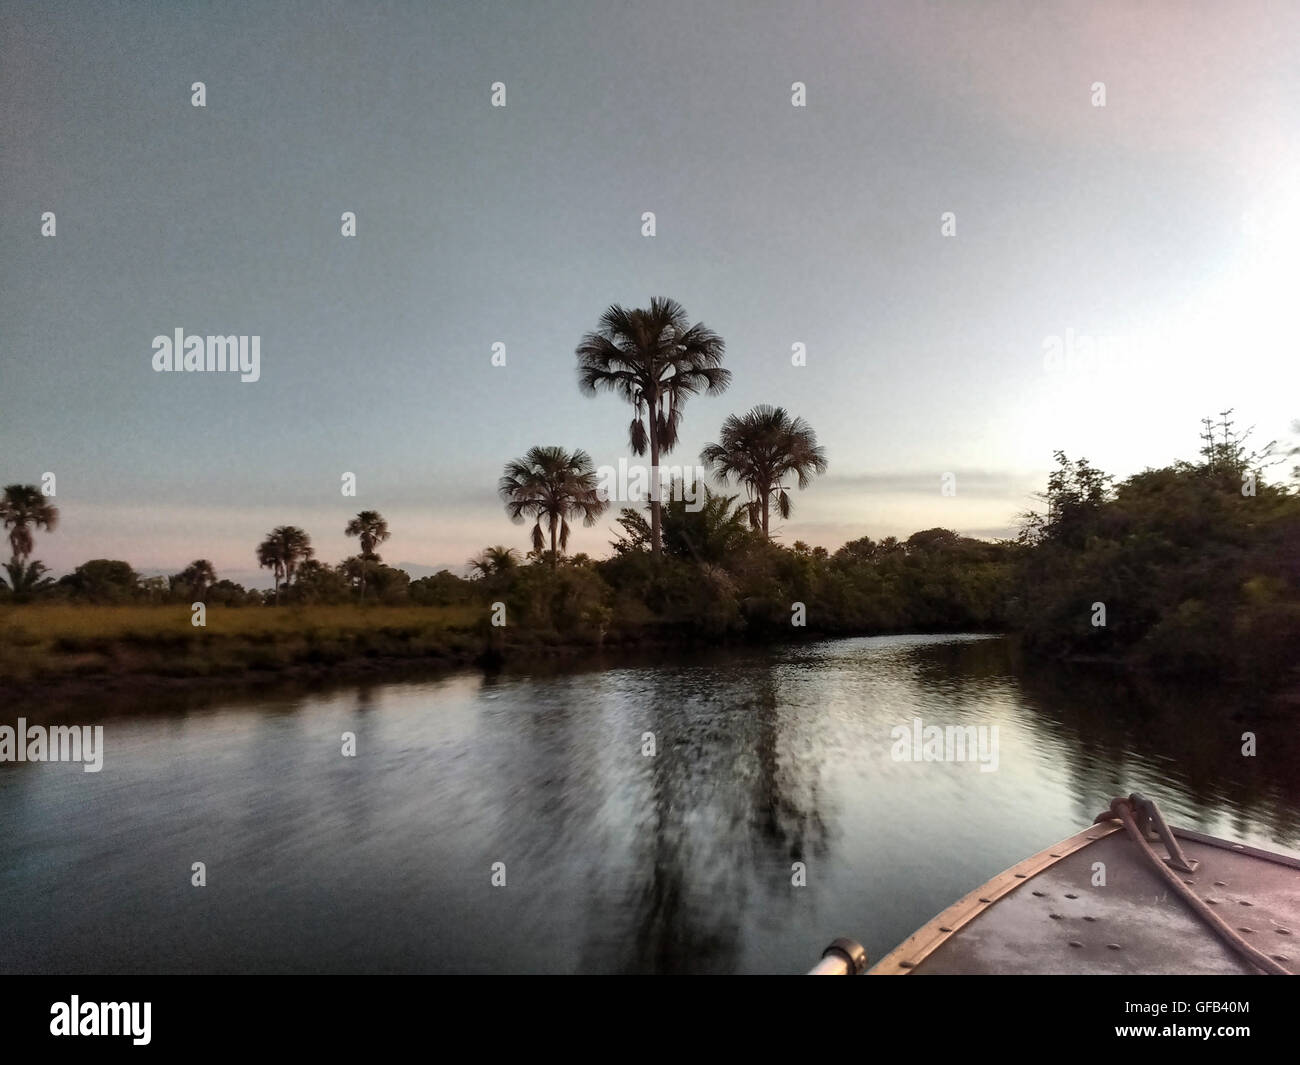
(1122, 810)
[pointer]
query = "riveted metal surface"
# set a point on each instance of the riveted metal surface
(947, 924)
(1067, 920)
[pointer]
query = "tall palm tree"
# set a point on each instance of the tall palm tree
(492, 561)
(371, 527)
(200, 575)
(654, 359)
(759, 450)
(282, 550)
(554, 485)
(23, 507)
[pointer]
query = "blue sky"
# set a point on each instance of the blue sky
(1167, 220)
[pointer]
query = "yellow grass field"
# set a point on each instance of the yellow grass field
(64, 639)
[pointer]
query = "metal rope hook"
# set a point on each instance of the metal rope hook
(1148, 817)
(1123, 810)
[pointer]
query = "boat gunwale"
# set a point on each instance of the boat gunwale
(939, 929)
(1237, 848)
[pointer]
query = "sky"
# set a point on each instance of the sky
(1161, 230)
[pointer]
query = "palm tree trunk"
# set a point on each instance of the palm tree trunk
(655, 521)
(554, 557)
(367, 546)
(767, 497)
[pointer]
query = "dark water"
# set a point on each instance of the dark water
(615, 861)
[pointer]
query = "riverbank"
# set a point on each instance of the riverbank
(65, 652)
(60, 654)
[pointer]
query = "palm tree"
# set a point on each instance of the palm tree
(200, 575)
(654, 359)
(281, 551)
(552, 484)
(24, 507)
(26, 579)
(492, 561)
(371, 527)
(708, 535)
(759, 450)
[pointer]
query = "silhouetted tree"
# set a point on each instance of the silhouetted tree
(759, 450)
(655, 360)
(552, 485)
(281, 552)
(372, 529)
(23, 507)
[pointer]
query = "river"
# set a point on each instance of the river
(731, 812)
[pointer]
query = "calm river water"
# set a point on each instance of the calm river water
(614, 860)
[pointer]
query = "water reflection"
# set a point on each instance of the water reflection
(614, 860)
(1181, 745)
(728, 812)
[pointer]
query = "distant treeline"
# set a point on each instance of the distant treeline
(1193, 568)
(106, 582)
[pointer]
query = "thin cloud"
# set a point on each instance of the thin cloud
(994, 483)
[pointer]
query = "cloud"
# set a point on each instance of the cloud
(1002, 484)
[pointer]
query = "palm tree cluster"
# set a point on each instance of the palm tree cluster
(282, 551)
(655, 358)
(198, 577)
(287, 550)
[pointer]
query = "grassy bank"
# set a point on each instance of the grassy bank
(68, 649)
(40, 643)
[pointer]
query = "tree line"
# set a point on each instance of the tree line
(1192, 568)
